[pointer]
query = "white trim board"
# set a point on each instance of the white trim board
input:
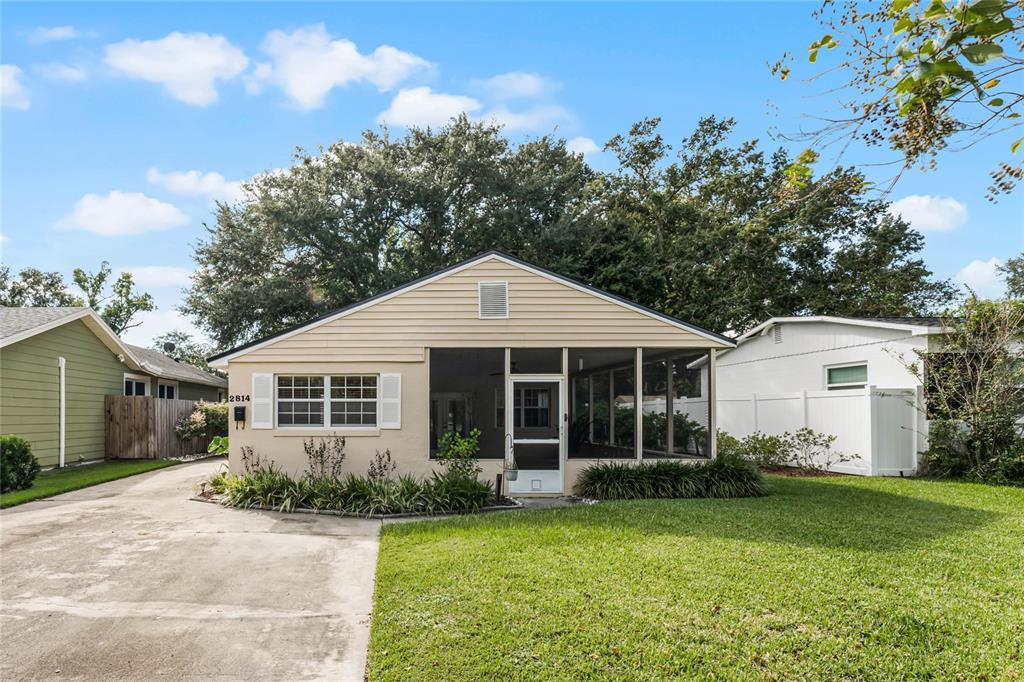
(222, 362)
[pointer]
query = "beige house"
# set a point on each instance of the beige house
(549, 370)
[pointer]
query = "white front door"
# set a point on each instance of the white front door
(535, 415)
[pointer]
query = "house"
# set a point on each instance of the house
(547, 369)
(843, 376)
(56, 366)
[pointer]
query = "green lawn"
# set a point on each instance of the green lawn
(57, 481)
(828, 578)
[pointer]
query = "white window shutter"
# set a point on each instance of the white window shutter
(390, 401)
(262, 401)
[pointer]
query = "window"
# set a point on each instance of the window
(354, 400)
(167, 390)
(300, 401)
(347, 400)
(531, 408)
(847, 376)
(135, 384)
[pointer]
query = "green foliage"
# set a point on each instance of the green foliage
(121, 305)
(18, 466)
(721, 477)
(205, 421)
(35, 289)
(712, 232)
(974, 380)
(806, 449)
(1013, 272)
(186, 350)
(267, 486)
(218, 445)
(458, 453)
(924, 74)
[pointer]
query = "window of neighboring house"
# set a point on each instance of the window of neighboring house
(167, 390)
(531, 408)
(846, 376)
(347, 400)
(300, 401)
(135, 384)
(354, 400)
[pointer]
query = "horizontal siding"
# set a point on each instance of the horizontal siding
(30, 385)
(542, 313)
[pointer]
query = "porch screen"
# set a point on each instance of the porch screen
(467, 391)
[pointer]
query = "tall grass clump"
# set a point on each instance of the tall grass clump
(721, 477)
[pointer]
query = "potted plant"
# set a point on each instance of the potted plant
(511, 472)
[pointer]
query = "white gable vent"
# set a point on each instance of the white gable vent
(493, 300)
(777, 333)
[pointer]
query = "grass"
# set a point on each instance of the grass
(57, 481)
(828, 578)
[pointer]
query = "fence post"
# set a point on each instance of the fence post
(755, 413)
(872, 429)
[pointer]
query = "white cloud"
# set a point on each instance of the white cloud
(187, 64)
(61, 72)
(121, 213)
(424, 107)
(983, 277)
(157, 323)
(158, 275)
(516, 84)
(12, 91)
(928, 213)
(44, 34)
(307, 64)
(4, 239)
(197, 183)
(537, 118)
(582, 145)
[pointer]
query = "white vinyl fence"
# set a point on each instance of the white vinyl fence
(883, 426)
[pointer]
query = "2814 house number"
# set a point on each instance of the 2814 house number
(239, 398)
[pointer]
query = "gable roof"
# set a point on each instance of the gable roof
(166, 367)
(222, 358)
(18, 324)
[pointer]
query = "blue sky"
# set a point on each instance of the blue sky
(123, 122)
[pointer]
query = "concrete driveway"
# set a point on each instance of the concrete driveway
(131, 580)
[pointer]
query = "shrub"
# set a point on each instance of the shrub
(205, 421)
(458, 453)
(973, 377)
(806, 449)
(725, 476)
(218, 445)
(263, 484)
(18, 466)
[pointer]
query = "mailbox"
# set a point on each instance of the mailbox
(240, 413)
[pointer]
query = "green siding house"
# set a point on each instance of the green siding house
(47, 353)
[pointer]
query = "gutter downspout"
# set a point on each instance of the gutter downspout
(61, 362)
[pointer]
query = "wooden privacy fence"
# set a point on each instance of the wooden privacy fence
(142, 427)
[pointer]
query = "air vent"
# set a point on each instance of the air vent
(777, 333)
(493, 300)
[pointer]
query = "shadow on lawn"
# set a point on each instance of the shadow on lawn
(806, 513)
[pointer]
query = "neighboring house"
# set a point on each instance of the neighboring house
(169, 378)
(56, 366)
(847, 377)
(545, 367)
